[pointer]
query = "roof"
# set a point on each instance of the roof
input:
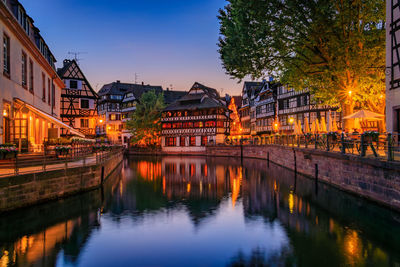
(206, 98)
(171, 96)
(67, 65)
(118, 88)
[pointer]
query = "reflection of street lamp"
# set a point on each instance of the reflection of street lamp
(350, 92)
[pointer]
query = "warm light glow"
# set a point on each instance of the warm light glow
(291, 120)
(188, 188)
(291, 202)
(381, 96)
(350, 92)
(236, 128)
(101, 121)
(5, 114)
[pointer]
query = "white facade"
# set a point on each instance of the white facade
(30, 78)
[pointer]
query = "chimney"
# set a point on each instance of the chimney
(142, 83)
(118, 81)
(66, 61)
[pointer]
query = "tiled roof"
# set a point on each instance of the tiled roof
(118, 88)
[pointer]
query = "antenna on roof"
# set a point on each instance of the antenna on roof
(136, 77)
(171, 87)
(76, 54)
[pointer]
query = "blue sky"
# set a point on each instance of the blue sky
(163, 41)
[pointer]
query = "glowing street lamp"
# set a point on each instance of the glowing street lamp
(350, 92)
(291, 120)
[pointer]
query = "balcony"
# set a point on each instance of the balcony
(194, 118)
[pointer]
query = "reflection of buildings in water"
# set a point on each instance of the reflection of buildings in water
(311, 228)
(41, 249)
(196, 177)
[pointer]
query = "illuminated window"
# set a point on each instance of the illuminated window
(170, 141)
(210, 124)
(166, 125)
(182, 141)
(192, 141)
(204, 140)
(84, 123)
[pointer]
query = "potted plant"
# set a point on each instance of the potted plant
(62, 150)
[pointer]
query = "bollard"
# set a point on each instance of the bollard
(102, 175)
(268, 159)
(316, 179)
(390, 152)
(327, 143)
(363, 148)
(315, 143)
(295, 161)
(343, 148)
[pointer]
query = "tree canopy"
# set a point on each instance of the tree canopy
(145, 122)
(335, 48)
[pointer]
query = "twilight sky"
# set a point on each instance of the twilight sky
(163, 41)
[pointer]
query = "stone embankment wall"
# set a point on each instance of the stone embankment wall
(28, 189)
(370, 178)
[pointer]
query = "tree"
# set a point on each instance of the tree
(145, 122)
(335, 48)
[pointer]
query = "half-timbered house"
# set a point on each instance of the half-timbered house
(393, 66)
(78, 100)
(199, 118)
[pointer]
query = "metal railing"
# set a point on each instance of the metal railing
(52, 160)
(378, 146)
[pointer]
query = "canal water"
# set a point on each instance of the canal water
(197, 211)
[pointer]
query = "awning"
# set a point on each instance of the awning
(49, 117)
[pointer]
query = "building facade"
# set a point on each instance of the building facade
(78, 100)
(393, 66)
(199, 118)
(128, 106)
(116, 101)
(29, 85)
(270, 107)
(247, 111)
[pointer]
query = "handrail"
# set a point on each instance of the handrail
(369, 144)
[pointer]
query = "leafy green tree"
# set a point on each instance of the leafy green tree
(336, 48)
(145, 122)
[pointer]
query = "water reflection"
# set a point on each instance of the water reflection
(203, 211)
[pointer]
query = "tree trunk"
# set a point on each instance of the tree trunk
(348, 109)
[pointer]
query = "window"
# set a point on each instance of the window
(220, 124)
(31, 76)
(44, 87)
(170, 141)
(6, 55)
(115, 117)
(84, 103)
(53, 93)
(84, 123)
(48, 91)
(166, 125)
(182, 141)
(24, 70)
(210, 124)
(204, 140)
(73, 84)
(192, 141)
